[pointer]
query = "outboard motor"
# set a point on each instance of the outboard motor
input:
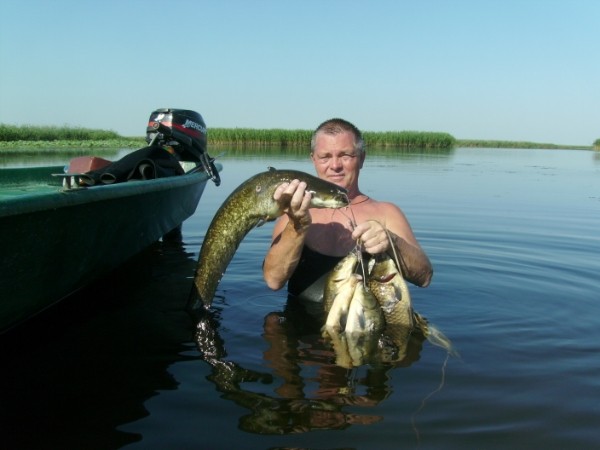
(174, 136)
(185, 131)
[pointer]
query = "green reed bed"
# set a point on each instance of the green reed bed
(259, 137)
(301, 138)
(53, 133)
(408, 139)
(516, 144)
(27, 139)
(59, 144)
(38, 139)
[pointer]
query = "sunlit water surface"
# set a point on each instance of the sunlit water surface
(513, 237)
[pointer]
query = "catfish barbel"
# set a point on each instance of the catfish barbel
(250, 205)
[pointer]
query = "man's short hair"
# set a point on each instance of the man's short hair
(336, 126)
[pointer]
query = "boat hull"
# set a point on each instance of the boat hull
(54, 243)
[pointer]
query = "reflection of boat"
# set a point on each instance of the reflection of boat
(55, 241)
(121, 334)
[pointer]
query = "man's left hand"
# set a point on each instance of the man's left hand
(372, 236)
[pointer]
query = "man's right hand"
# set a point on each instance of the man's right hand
(295, 200)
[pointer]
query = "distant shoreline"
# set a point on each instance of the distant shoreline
(33, 139)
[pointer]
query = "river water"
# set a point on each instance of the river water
(513, 237)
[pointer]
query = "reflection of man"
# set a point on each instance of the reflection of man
(313, 391)
(308, 243)
(295, 340)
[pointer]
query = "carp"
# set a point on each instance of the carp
(354, 317)
(364, 326)
(338, 293)
(390, 289)
(373, 321)
(365, 314)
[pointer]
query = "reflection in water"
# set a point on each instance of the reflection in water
(73, 375)
(296, 346)
(120, 336)
(285, 153)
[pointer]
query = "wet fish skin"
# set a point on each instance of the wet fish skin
(364, 325)
(341, 273)
(362, 348)
(338, 313)
(402, 321)
(366, 337)
(379, 320)
(390, 289)
(365, 314)
(354, 317)
(250, 205)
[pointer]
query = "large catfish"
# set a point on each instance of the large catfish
(250, 205)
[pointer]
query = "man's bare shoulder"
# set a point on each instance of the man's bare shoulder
(378, 207)
(388, 214)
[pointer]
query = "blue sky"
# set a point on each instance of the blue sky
(508, 69)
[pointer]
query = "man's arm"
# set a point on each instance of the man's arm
(415, 264)
(283, 256)
(288, 235)
(375, 237)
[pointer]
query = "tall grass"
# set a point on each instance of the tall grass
(247, 137)
(515, 144)
(15, 138)
(301, 138)
(259, 137)
(408, 139)
(37, 140)
(53, 133)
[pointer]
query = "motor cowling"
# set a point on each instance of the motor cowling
(185, 132)
(182, 128)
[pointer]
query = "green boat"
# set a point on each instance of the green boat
(55, 241)
(61, 230)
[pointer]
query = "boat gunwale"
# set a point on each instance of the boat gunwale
(47, 200)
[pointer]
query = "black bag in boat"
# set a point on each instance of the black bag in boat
(144, 164)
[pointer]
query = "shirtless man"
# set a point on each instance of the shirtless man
(307, 243)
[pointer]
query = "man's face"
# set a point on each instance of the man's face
(336, 159)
